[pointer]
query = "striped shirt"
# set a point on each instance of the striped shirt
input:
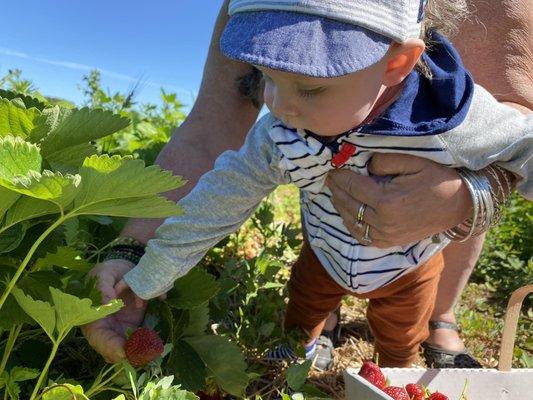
(307, 161)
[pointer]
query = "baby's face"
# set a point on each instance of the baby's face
(325, 106)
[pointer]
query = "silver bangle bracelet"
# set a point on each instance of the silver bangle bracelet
(482, 207)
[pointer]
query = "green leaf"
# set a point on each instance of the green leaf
(17, 158)
(72, 311)
(65, 391)
(145, 207)
(11, 238)
(224, 361)
(40, 311)
(67, 311)
(27, 208)
(55, 187)
(198, 320)
(297, 374)
(192, 290)
(20, 374)
(65, 257)
(184, 362)
(28, 101)
(115, 186)
(69, 159)
(72, 127)
(15, 119)
(11, 314)
(163, 390)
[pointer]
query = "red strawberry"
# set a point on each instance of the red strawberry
(372, 373)
(438, 396)
(143, 346)
(415, 392)
(397, 393)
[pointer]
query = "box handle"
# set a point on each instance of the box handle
(509, 327)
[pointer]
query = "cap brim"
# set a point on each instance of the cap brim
(301, 43)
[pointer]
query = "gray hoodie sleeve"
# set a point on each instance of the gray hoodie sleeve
(218, 205)
(494, 133)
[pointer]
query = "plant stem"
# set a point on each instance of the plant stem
(96, 389)
(27, 259)
(45, 369)
(13, 334)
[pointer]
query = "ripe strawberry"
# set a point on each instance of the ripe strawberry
(397, 393)
(143, 346)
(415, 392)
(372, 373)
(438, 396)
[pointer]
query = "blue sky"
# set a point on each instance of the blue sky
(56, 42)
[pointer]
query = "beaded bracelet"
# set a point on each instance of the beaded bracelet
(125, 248)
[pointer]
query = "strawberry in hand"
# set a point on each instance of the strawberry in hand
(143, 345)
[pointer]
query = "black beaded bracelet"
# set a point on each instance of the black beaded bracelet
(125, 248)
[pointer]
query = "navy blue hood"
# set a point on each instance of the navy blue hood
(429, 107)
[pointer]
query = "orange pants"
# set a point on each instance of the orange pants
(398, 314)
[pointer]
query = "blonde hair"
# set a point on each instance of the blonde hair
(443, 16)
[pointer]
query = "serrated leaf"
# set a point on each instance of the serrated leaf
(28, 101)
(11, 314)
(69, 159)
(198, 320)
(72, 127)
(55, 187)
(21, 374)
(15, 119)
(12, 237)
(17, 158)
(192, 290)
(65, 391)
(142, 207)
(184, 362)
(224, 361)
(65, 257)
(72, 311)
(66, 312)
(297, 374)
(115, 186)
(27, 208)
(42, 312)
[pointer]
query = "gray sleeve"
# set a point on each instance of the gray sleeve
(494, 133)
(218, 205)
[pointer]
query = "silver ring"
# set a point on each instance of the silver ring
(360, 214)
(366, 238)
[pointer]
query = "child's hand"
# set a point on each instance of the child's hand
(121, 287)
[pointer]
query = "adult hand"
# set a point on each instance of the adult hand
(108, 335)
(419, 199)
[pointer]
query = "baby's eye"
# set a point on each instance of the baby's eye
(309, 93)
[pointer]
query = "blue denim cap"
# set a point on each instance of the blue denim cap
(301, 43)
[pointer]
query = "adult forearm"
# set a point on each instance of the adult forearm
(219, 120)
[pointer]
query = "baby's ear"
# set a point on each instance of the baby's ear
(401, 60)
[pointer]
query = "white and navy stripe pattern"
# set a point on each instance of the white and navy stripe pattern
(396, 19)
(356, 267)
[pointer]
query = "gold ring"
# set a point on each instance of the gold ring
(360, 214)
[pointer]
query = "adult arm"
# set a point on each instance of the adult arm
(208, 130)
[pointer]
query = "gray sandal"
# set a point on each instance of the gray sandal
(437, 357)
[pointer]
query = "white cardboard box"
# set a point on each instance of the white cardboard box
(483, 384)
(503, 383)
